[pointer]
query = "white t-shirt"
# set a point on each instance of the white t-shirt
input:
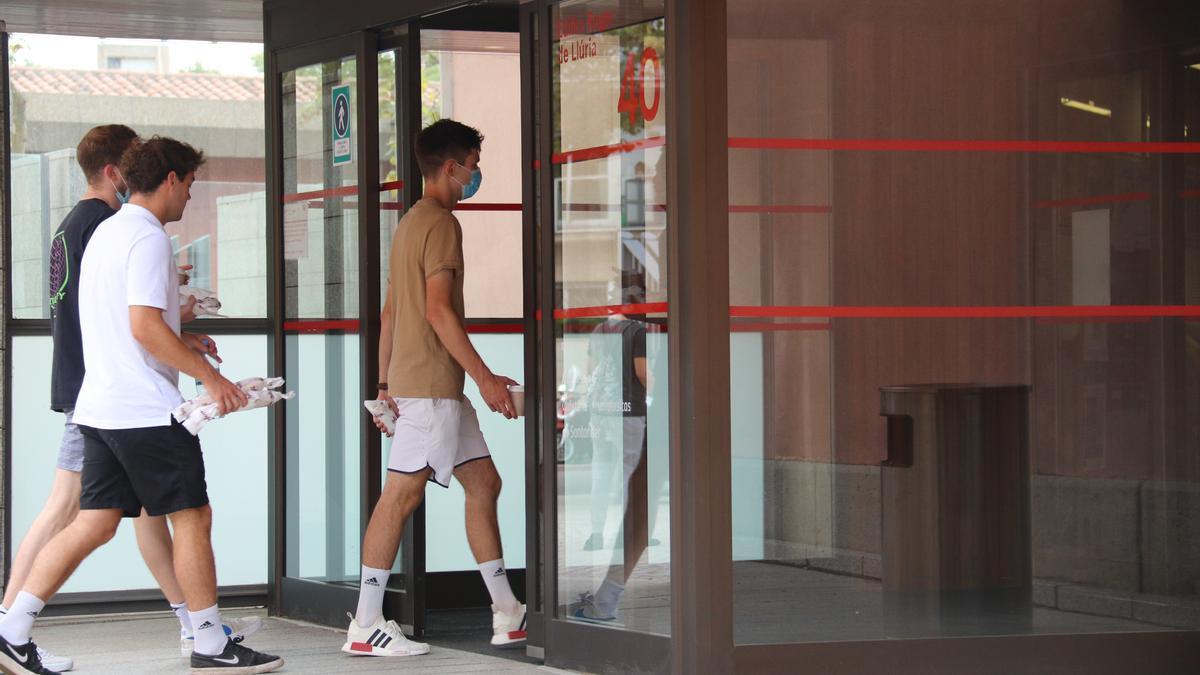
(128, 262)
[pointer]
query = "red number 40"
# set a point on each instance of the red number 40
(633, 87)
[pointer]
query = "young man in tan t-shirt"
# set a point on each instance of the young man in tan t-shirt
(425, 355)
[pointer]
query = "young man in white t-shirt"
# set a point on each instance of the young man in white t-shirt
(135, 455)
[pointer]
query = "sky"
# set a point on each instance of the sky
(58, 51)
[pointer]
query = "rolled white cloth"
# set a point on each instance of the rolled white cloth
(261, 392)
(383, 412)
(207, 303)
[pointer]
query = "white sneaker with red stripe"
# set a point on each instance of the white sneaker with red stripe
(508, 629)
(382, 638)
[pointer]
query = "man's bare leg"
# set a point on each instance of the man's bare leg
(154, 542)
(481, 483)
(60, 509)
(402, 494)
(52, 567)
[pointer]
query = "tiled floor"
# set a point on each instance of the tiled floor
(144, 644)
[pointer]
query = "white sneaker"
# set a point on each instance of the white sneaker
(382, 638)
(508, 629)
(585, 609)
(236, 629)
(59, 664)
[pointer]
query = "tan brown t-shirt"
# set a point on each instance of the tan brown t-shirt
(428, 240)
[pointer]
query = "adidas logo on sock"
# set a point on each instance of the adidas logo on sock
(372, 582)
(498, 573)
(205, 625)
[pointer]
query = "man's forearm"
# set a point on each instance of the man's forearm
(165, 346)
(385, 350)
(454, 338)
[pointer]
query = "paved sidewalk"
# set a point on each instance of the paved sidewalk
(144, 644)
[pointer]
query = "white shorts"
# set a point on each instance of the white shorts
(436, 433)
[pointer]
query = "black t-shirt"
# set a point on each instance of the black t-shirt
(616, 389)
(66, 253)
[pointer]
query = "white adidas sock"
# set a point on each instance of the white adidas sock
(17, 624)
(181, 613)
(496, 580)
(207, 629)
(371, 587)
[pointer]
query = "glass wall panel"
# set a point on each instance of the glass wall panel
(320, 184)
(236, 455)
(323, 457)
(474, 77)
(964, 363)
(321, 278)
(609, 167)
(207, 94)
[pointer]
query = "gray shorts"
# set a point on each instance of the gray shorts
(70, 453)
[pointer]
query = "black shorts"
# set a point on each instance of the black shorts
(160, 469)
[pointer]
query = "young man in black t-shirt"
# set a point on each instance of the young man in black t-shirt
(98, 155)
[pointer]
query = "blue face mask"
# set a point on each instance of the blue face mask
(122, 197)
(472, 186)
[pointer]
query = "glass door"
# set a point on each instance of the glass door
(340, 191)
(603, 236)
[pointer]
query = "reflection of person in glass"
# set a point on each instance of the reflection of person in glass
(616, 399)
(618, 396)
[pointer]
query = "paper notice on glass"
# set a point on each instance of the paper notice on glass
(295, 230)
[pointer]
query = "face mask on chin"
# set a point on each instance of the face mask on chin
(122, 197)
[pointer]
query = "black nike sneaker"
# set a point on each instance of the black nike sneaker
(235, 660)
(19, 660)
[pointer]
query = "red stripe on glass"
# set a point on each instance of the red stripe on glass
(494, 328)
(486, 206)
(600, 152)
(1098, 199)
(777, 327)
(609, 310)
(972, 312)
(322, 326)
(780, 208)
(346, 191)
(947, 145)
(1190, 194)
(910, 312)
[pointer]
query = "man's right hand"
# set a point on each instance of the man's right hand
(227, 395)
(494, 389)
(383, 396)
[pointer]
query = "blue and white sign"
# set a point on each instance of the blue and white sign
(342, 145)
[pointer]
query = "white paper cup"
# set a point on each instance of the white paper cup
(517, 393)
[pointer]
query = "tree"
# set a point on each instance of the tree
(259, 60)
(198, 67)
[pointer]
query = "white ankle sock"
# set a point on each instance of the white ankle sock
(210, 635)
(496, 580)
(17, 624)
(371, 587)
(608, 596)
(181, 613)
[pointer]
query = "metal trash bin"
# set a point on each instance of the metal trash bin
(955, 498)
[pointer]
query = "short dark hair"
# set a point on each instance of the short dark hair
(443, 140)
(101, 146)
(147, 164)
